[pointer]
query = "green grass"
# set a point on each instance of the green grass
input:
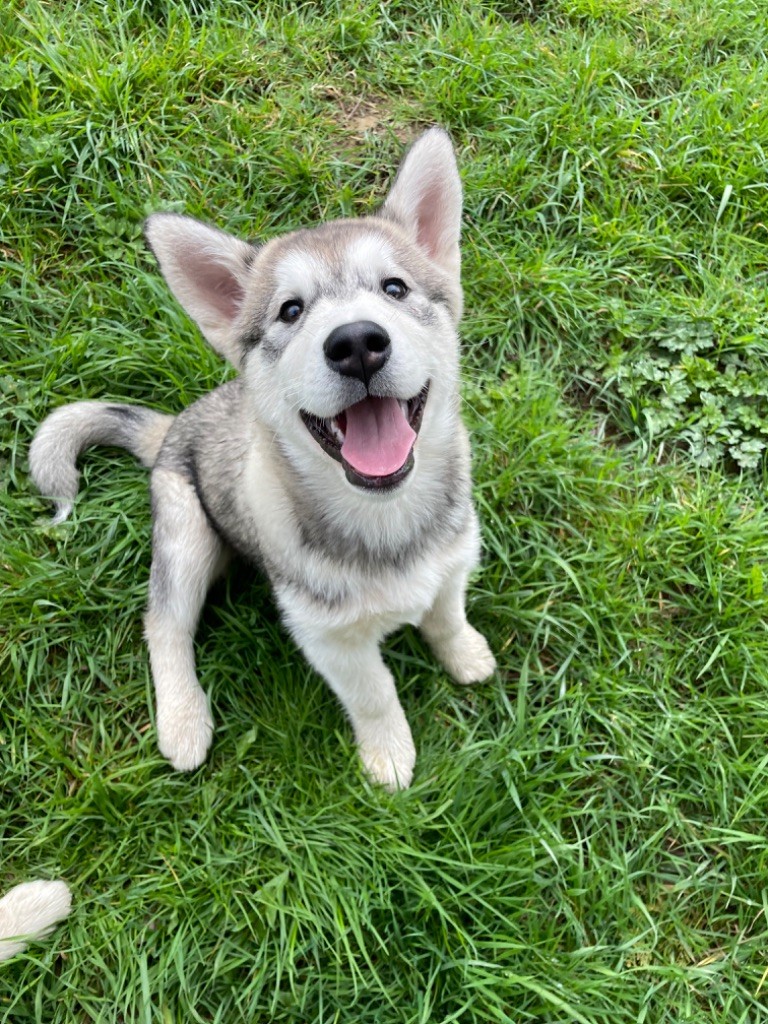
(585, 839)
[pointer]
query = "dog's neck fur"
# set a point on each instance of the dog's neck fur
(386, 532)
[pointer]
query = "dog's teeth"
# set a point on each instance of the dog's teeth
(335, 431)
(404, 407)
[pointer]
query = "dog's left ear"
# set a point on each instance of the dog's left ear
(425, 198)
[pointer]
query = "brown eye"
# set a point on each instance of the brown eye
(290, 311)
(394, 288)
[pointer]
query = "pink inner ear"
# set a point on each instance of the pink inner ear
(429, 223)
(224, 290)
(220, 286)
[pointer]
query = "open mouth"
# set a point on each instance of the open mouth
(373, 439)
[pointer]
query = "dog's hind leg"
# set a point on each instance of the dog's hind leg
(462, 651)
(187, 554)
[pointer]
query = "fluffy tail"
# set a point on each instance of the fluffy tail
(68, 431)
(31, 911)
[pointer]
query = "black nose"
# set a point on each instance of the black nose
(358, 349)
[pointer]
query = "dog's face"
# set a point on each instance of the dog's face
(345, 334)
(351, 340)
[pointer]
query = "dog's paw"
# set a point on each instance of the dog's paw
(466, 656)
(31, 910)
(388, 756)
(185, 731)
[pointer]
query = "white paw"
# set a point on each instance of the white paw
(31, 909)
(388, 754)
(185, 730)
(466, 656)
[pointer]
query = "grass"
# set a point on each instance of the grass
(585, 838)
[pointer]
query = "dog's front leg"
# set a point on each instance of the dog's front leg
(350, 662)
(462, 651)
(186, 556)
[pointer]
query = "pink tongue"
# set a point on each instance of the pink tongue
(378, 438)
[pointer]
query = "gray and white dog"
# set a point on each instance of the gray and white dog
(336, 460)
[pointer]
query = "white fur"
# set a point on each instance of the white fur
(194, 557)
(31, 911)
(343, 645)
(296, 270)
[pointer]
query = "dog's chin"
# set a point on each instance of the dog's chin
(329, 435)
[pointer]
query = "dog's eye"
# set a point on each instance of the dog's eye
(394, 288)
(290, 311)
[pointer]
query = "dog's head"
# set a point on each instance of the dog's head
(345, 334)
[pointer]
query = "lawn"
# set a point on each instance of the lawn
(585, 838)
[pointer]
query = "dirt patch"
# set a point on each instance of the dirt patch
(359, 115)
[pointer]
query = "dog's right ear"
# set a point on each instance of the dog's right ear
(425, 199)
(206, 269)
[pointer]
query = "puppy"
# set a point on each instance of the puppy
(336, 461)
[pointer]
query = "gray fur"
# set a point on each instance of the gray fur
(351, 553)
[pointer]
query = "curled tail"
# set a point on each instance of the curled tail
(30, 911)
(68, 431)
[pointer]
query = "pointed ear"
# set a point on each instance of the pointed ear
(425, 198)
(207, 270)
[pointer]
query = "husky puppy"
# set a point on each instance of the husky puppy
(31, 910)
(336, 460)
